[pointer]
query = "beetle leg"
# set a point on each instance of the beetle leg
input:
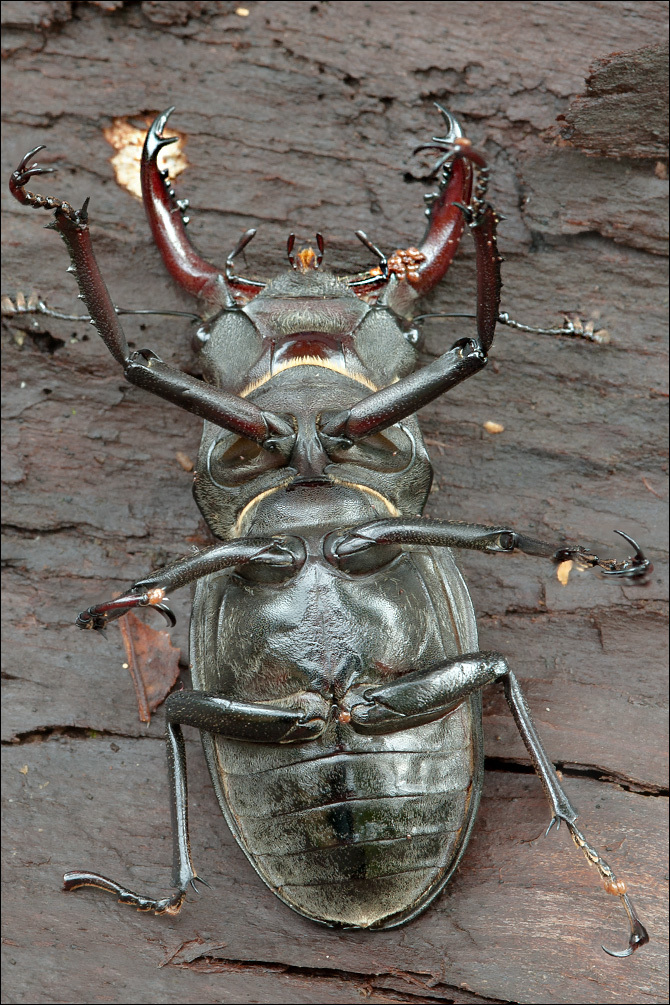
(76, 879)
(144, 368)
(386, 407)
(183, 872)
(563, 810)
(152, 590)
(424, 695)
(483, 222)
(236, 720)
(214, 714)
(479, 537)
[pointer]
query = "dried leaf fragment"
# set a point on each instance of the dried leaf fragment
(128, 141)
(153, 663)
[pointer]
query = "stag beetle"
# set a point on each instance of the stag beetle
(337, 677)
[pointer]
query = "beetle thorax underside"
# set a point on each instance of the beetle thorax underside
(390, 469)
(350, 830)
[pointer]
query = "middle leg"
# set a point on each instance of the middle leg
(285, 552)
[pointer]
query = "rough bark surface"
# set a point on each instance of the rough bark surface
(624, 112)
(302, 116)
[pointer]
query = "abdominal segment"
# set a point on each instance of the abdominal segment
(356, 834)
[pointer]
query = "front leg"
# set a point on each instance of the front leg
(211, 713)
(384, 408)
(145, 369)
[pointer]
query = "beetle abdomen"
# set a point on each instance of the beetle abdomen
(363, 836)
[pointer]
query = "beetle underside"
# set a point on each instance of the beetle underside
(336, 669)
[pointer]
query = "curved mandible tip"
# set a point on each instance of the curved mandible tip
(161, 120)
(453, 135)
(155, 141)
(454, 131)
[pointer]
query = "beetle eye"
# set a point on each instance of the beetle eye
(234, 461)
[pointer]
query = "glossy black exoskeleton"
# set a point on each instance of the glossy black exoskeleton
(336, 671)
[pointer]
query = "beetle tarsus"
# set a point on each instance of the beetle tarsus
(636, 566)
(165, 905)
(20, 178)
(97, 618)
(638, 933)
(572, 327)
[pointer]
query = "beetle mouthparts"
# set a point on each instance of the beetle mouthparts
(308, 482)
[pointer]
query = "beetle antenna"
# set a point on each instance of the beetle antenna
(442, 314)
(374, 276)
(33, 304)
(247, 236)
(383, 263)
(289, 249)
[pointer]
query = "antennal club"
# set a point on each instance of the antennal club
(289, 250)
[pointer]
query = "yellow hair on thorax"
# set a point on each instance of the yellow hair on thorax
(325, 364)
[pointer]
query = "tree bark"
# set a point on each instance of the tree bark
(302, 117)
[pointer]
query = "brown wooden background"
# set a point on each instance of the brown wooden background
(303, 116)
